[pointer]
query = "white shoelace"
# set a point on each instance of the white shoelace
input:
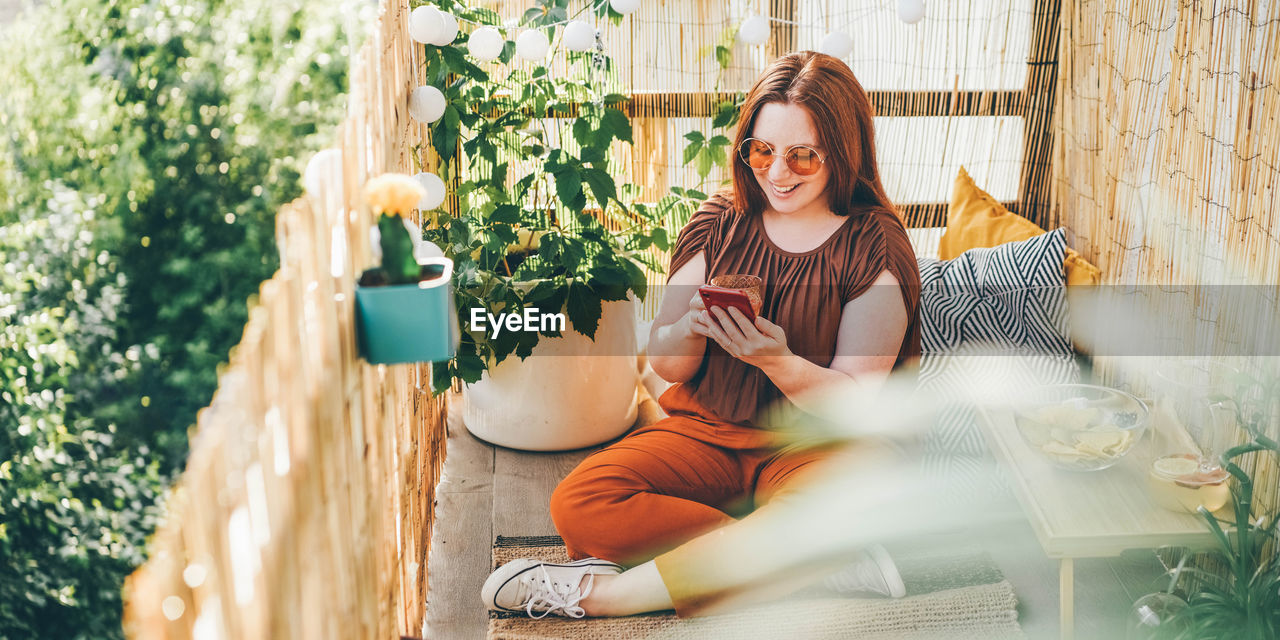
(566, 600)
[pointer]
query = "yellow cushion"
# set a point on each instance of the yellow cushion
(976, 220)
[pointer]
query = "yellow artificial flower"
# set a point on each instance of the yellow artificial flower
(393, 193)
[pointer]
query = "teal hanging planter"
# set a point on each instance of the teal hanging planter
(409, 322)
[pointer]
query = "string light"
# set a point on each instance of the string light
(433, 190)
(426, 103)
(448, 30)
(836, 44)
(325, 164)
(429, 25)
(579, 36)
(624, 6)
(754, 30)
(532, 45)
(911, 11)
(426, 24)
(485, 44)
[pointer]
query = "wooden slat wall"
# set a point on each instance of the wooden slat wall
(1042, 76)
(305, 509)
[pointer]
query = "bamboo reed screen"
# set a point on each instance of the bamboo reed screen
(971, 85)
(1167, 170)
(305, 509)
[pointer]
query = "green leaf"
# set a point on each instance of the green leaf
(549, 247)
(505, 235)
(691, 152)
(718, 141)
(726, 113)
(572, 253)
(717, 155)
(525, 342)
(444, 135)
(724, 56)
(602, 186)
(705, 162)
(660, 239)
(638, 280)
(541, 291)
(582, 132)
(594, 155)
(583, 308)
(695, 137)
(617, 124)
(506, 213)
(469, 367)
(569, 188)
(610, 281)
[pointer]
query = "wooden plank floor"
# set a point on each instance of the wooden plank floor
(488, 491)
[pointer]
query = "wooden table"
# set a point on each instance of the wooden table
(1095, 514)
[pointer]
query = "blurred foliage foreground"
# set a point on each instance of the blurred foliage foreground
(144, 150)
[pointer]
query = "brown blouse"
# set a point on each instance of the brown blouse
(805, 293)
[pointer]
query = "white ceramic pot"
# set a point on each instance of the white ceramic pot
(571, 393)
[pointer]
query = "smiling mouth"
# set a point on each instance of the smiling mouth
(785, 189)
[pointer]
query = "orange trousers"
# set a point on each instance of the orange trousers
(671, 482)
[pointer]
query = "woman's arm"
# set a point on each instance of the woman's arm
(677, 339)
(872, 327)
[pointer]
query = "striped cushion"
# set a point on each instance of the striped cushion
(990, 314)
(1011, 297)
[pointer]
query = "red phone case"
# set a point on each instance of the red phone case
(725, 298)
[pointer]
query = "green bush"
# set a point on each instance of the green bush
(192, 119)
(74, 508)
(144, 150)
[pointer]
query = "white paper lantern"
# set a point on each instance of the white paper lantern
(532, 45)
(427, 250)
(624, 6)
(579, 36)
(485, 44)
(837, 44)
(910, 11)
(434, 187)
(425, 24)
(326, 162)
(754, 30)
(426, 104)
(448, 30)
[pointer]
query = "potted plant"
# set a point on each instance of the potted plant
(404, 306)
(540, 226)
(1243, 600)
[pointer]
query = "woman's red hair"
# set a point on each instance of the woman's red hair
(841, 112)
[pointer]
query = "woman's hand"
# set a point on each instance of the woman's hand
(695, 319)
(759, 344)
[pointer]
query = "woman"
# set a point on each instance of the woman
(808, 215)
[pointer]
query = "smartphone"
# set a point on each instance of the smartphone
(713, 296)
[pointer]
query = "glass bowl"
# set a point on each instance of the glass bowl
(1081, 427)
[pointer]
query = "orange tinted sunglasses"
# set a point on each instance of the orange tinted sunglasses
(803, 160)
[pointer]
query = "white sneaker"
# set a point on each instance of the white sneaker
(541, 588)
(873, 571)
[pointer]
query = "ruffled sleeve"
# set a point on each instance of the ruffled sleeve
(883, 245)
(699, 234)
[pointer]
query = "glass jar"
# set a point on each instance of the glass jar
(1196, 423)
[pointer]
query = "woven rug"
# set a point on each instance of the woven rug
(949, 595)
